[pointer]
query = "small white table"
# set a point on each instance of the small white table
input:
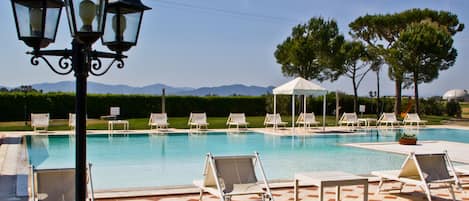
(330, 178)
(110, 124)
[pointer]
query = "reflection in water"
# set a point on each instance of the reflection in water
(236, 137)
(158, 141)
(40, 152)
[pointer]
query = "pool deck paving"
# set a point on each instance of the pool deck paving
(310, 193)
(14, 169)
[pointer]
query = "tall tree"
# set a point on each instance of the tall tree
(312, 50)
(423, 49)
(355, 66)
(382, 31)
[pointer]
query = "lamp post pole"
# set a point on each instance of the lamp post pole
(81, 66)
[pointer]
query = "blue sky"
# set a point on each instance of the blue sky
(196, 43)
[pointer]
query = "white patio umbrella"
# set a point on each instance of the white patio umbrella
(301, 86)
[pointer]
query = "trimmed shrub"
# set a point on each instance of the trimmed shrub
(13, 106)
(453, 109)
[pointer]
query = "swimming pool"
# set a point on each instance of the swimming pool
(146, 160)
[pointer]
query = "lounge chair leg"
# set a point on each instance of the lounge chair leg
(380, 185)
(427, 191)
(452, 191)
(201, 194)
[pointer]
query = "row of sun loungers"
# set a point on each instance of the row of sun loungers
(199, 120)
(386, 119)
(228, 176)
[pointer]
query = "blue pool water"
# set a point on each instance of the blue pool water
(145, 160)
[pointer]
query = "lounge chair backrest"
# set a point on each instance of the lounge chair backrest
(309, 118)
(276, 118)
(351, 117)
(237, 118)
(388, 117)
(39, 119)
(430, 167)
(158, 118)
(58, 184)
(198, 118)
(115, 111)
(433, 166)
(412, 117)
(268, 118)
(235, 170)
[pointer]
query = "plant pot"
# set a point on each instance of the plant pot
(408, 141)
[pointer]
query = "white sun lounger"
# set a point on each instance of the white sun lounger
(348, 119)
(72, 120)
(411, 118)
(274, 120)
(387, 119)
(40, 120)
(226, 176)
(237, 119)
(423, 170)
(158, 120)
(114, 112)
(307, 119)
(57, 184)
(197, 120)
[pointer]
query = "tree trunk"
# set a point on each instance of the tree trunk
(416, 94)
(378, 103)
(397, 103)
(355, 95)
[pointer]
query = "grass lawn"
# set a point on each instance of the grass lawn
(180, 122)
(464, 109)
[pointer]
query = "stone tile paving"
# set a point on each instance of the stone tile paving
(352, 193)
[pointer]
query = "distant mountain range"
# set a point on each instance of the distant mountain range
(155, 89)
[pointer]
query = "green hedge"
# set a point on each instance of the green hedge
(12, 105)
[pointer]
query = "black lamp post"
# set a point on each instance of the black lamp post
(37, 22)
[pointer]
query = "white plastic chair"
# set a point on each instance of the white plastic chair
(236, 119)
(307, 119)
(197, 120)
(387, 119)
(57, 184)
(412, 118)
(40, 120)
(158, 120)
(348, 119)
(423, 170)
(274, 120)
(227, 176)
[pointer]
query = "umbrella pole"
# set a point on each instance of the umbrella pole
(275, 111)
(304, 109)
(324, 113)
(293, 113)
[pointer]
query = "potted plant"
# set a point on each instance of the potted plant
(408, 139)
